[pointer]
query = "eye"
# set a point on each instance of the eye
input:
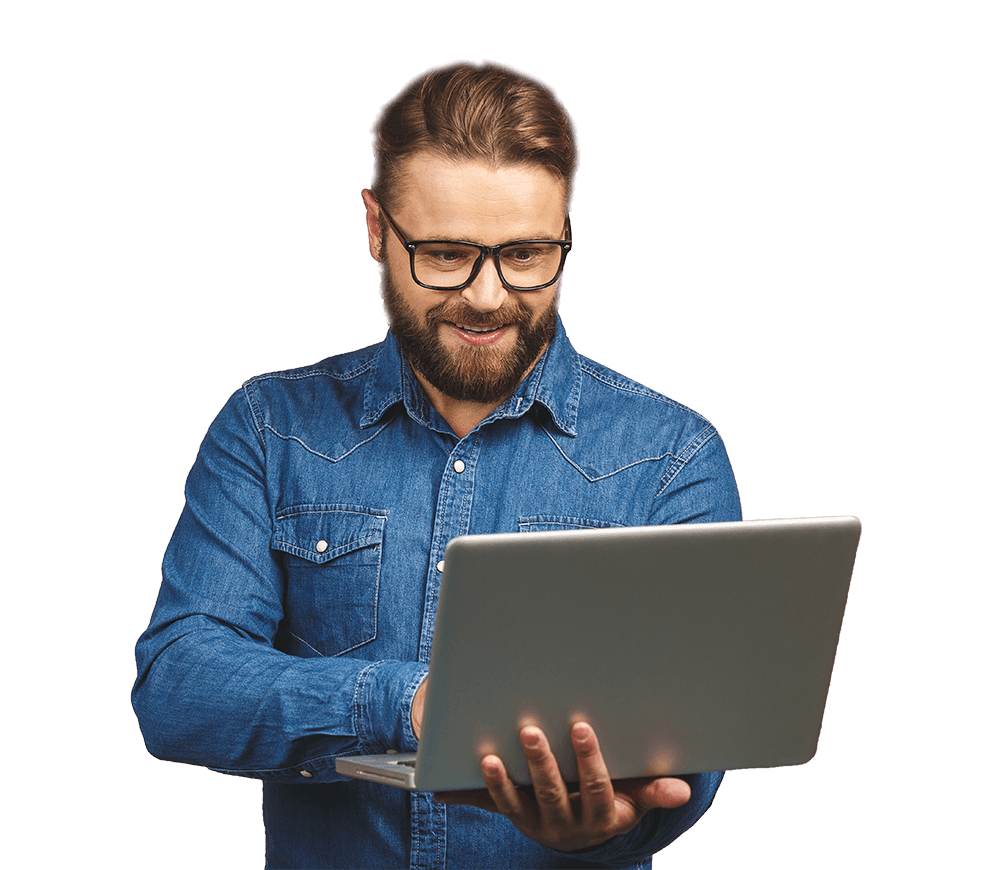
(445, 256)
(522, 255)
(539, 256)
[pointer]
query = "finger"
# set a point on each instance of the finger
(502, 791)
(646, 794)
(499, 796)
(667, 793)
(551, 794)
(597, 794)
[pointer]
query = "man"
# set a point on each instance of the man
(295, 617)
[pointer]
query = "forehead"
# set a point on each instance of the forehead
(472, 200)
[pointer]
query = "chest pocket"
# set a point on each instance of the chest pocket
(333, 562)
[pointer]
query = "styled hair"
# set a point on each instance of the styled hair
(464, 111)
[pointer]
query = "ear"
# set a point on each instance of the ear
(372, 215)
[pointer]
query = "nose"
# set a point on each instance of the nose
(486, 292)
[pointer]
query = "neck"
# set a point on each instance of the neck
(461, 415)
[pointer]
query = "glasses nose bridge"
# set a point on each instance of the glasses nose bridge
(493, 252)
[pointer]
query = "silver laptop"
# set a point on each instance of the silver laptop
(689, 648)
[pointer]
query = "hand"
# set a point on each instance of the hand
(566, 821)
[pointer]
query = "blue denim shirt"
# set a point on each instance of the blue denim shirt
(295, 616)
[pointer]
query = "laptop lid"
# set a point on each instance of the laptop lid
(689, 648)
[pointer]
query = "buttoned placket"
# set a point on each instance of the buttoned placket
(452, 517)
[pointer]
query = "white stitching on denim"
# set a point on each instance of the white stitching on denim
(629, 386)
(306, 643)
(356, 705)
(610, 473)
(691, 450)
(306, 447)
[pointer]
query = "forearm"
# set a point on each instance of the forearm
(212, 688)
(208, 695)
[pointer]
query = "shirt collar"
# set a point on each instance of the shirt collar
(554, 383)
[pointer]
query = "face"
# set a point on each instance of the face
(476, 344)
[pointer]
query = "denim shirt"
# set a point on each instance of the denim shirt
(295, 616)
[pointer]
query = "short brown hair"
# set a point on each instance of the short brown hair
(464, 111)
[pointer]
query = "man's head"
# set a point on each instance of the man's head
(475, 154)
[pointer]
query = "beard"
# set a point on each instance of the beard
(486, 375)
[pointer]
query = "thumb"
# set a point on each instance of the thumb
(665, 793)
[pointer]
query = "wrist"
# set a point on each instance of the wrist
(417, 708)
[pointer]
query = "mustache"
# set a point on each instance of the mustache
(512, 312)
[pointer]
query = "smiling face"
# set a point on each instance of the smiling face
(473, 345)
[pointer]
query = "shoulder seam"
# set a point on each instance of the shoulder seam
(312, 372)
(686, 455)
(628, 385)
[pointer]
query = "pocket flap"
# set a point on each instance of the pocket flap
(561, 524)
(319, 533)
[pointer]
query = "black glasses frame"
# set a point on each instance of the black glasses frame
(484, 252)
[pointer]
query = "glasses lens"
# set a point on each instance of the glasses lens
(523, 264)
(444, 264)
(531, 264)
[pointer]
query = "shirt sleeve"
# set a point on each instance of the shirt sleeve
(211, 688)
(698, 486)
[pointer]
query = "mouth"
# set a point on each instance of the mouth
(474, 335)
(477, 330)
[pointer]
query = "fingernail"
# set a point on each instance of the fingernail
(491, 767)
(530, 739)
(581, 732)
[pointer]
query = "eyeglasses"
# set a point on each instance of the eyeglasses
(527, 264)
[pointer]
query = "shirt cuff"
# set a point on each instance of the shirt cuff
(383, 706)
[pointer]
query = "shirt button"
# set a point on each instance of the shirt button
(305, 773)
(321, 546)
(440, 565)
(459, 466)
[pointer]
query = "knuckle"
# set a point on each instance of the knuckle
(507, 809)
(536, 753)
(597, 786)
(548, 794)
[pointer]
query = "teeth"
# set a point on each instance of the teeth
(479, 329)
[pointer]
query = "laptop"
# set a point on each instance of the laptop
(689, 648)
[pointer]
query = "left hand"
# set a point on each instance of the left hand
(554, 816)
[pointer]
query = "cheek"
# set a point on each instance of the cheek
(416, 299)
(540, 304)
